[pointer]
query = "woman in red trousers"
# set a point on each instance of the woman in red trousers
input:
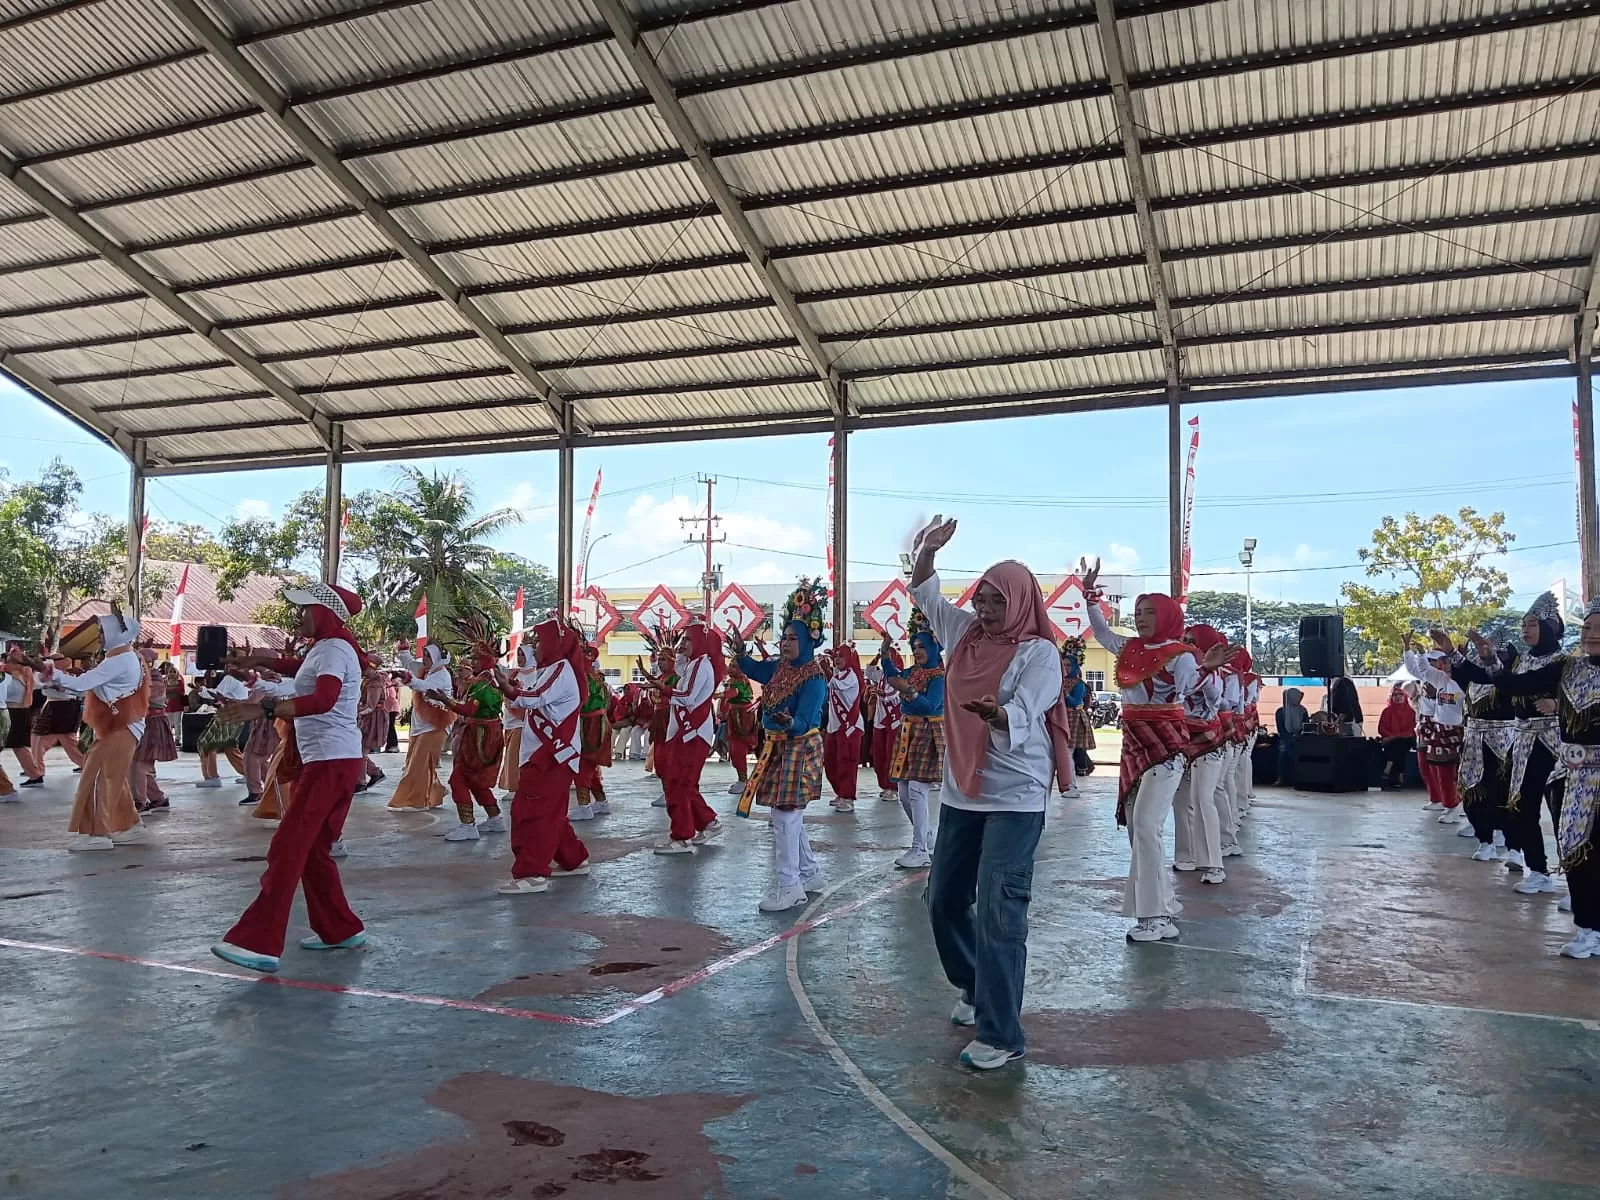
(691, 730)
(841, 760)
(548, 696)
(325, 766)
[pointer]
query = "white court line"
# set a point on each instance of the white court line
(864, 1085)
(1341, 997)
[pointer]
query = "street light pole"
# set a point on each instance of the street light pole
(588, 554)
(1247, 556)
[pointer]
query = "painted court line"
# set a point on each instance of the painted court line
(499, 1010)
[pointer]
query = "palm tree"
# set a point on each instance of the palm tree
(434, 545)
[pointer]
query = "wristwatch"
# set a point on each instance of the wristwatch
(269, 705)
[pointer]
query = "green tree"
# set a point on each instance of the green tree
(1438, 574)
(1275, 628)
(183, 541)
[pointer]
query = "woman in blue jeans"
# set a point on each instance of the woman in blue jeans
(1007, 739)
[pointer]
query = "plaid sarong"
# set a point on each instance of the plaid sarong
(1441, 744)
(919, 751)
(788, 775)
(1079, 728)
(1204, 737)
(1232, 728)
(1151, 735)
(218, 737)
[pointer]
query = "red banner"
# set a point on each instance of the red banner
(583, 546)
(1188, 507)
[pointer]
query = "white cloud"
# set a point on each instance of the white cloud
(1120, 559)
(524, 497)
(248, 509)
(655, 525)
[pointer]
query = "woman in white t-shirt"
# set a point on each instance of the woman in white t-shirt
(325, 766)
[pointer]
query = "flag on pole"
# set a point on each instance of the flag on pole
(578, 580)
(144, 526)
(832, 459)
(516, 628)
(175, 650)
(1188, 506)
(422, 624)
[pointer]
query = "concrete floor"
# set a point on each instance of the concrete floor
(1360, 1011)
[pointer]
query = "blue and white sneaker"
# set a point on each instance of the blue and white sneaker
(981, 1057)
(963, 1014)
(248, 959)
(354, 942)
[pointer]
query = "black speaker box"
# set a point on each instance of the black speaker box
(1322, 646)
(211, 647)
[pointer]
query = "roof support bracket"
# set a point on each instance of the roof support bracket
(666, 101)
(276, 105)
(162, 293)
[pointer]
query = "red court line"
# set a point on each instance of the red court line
(499, 1010)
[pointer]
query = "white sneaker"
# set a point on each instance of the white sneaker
(85, 841)
(1515, 861)
(524, 887)
(1152, 929)
(963, 1014)
(888, 794)
(671, 846)
(1250, 796)
(499, 823)
(706, 834)
(1450, 816)
(602, 808)
(1185, 865)
(338, 850)
(581, 812)
(12, 798)
(1500, 838)
(1232, 850)
(133, 836)
(913, 860)
(1487, 853)
(208, 783)
(846, 806)
(811, 882)
(1585, 945)
(782, 899)
(462, 833)
(659, 802)
(1214, 875)
(560, 872)
(1535, 884)
(736, 788)
(1433, 806)
(1072, 793)
(1566, 903)
(1466, 830)
(982, 1057)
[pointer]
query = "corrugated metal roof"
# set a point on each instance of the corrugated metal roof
(1340, 191)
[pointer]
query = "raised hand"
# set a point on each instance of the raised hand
(1091, 580)
(1218, 656)
(1441, 641)
(936, 535)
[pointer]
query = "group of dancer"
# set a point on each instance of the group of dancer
(1503, 735)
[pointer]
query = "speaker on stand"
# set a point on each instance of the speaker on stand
(1322, 646)
(211, 647)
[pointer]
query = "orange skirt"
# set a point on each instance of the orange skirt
(419, 785)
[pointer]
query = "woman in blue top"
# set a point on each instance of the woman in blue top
(919, 750)
(1075, 695)
(788, 775)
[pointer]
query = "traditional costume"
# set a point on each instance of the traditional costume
(788, 775)
(1536, 749)
(1196, 816)
(19, 689)
(1442, 735)
(1250, 727)
(1484, 777)
(594, 741)
(1156, 676)
(156, 745)
(841, 748)
(222, 737)
(475, 766)
(373, 719)
(1231, 712)
(511, 724)
(1075, 695)
(887, 719)
(689, 735)
(325, 769)
(741, 718)
(917, 762)
(116, 699)
(59, 721)
(998, 777)
(542, 839)
(432, 693)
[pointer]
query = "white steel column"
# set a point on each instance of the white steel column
(333, 505)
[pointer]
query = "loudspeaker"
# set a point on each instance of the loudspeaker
(1322, 646)
(211, 647)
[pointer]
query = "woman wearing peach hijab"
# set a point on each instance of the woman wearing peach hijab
(1007, 743)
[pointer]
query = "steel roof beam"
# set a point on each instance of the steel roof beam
(688, 138)
(256, 86)
(162, 293)
(1139, 188)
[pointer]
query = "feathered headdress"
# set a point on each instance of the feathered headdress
(806, 605)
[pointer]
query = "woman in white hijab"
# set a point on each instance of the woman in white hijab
(432, 690)
(116, 699)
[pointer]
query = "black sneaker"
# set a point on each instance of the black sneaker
(39, 782)
(251, 799)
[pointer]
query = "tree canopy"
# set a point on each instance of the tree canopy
(1275, 626)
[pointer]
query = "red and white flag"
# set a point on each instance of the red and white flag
(578, 580)
(175, 651)
(1188, 507)
(516, 628)
(832, 457)
(422, 624)
(144, 526)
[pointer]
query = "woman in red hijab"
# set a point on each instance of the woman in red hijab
(1397, 730)
(321, 702)
(1157, 674)
(1007, 745)
(841, 744)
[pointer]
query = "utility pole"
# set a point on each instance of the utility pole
(706, 537)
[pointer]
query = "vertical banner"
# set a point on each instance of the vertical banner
(1583, 548)
(832, 460)
(578, 580)
(144, 526)
(516, 629)
(422, 624)
(175, 650)
(1188, 505)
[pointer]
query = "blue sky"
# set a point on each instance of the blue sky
(1309, 477)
